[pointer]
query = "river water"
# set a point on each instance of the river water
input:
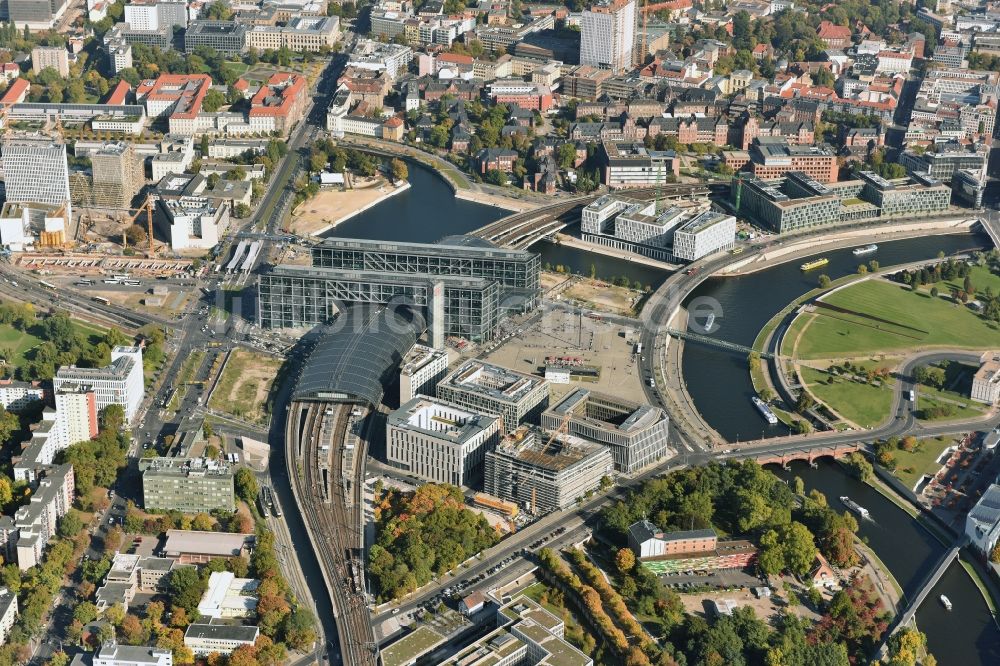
(720, 386)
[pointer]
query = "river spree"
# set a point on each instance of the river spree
(960, 637)
(719, 381)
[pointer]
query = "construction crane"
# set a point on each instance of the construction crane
(133, 218)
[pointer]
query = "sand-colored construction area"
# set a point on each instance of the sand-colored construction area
(332, 206)
(244, 386)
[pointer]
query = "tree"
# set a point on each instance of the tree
(824, 281)
(246, 485)
(85, 612)
(71, 524)
(186, 588)
(934, 292)
(862, 269)
(766, 394)
(624, 560)
(995, 554)
(213, 100)
(398, 170)
(136, 235)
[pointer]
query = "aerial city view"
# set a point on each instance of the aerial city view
(499, 333)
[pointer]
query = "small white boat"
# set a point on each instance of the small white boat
(709, 322)
(946, 602)
(764, 410)
(867, 249)
(855, 507)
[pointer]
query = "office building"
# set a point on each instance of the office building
(799, 202)
(774, 157)
(188, 485)
(421, 370)
(155, 14)
(279, 104)
(986, 380)
(8, 613)
(35, 171)
(982, 524)
(50, 57)
(704, 234)
(204, 639)
(946, 160)
(543, 472)
(228, 596)
(303, 33)
(227, 37)
(607, 35)
(491, 389)
(625, 164)
(76, 408)
(123, 33)
(117, 175)
(391, 58)
(636, 434)
(196, 223)
(440, 442)
(35, 14)
(120, 383)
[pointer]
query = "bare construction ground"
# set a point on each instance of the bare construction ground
(245, 385)
(601, 344)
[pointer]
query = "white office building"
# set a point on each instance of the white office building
(228, 596)
(607, 38)
(204, 639)
(438, 441)
(420, 371)
(120, 383)
(196, 223)
(704, 234)
(35, 171)
(113, 654)
(490, 389)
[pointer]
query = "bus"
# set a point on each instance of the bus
(121, 276)
(84, 283)
(111, 281)
(132, 283)
(101, 300)
(46, 285)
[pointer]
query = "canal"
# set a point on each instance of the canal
(965, 635)
(720, 386)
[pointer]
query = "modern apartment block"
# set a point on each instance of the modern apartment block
(50, 57)
(636, 434)
(120, 383)
(607, 35)
(420, 371)
(8, 613)
(440, 442)
(35, 171)
(544, 473)
(26, 535)
(188, 485)
(491, 389)
(15, 395)
(76, 407)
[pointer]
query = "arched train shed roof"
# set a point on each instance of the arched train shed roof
(358, 354)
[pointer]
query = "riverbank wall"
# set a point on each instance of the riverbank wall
(579, 244)
(398, 189)
(796, 249)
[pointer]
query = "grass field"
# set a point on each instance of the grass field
(980, 277)
(911, 465)
(885, 317)
(245, 385)
(15, 345)
(859, 402)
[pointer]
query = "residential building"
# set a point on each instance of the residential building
(35, 523)
(543, 472)
(195, 547)
(440, 442)
(986, 380)
(279, 104)
(420, 371)
(636, 434)
(120, 383)
(196, 223)
(188, 485)
(8, 613)
(227, 37)
(626, 164)
(15, 396)
(76, 408)
(491, 389)
(156, 14)
(368, 54)
(204, 639)
(36, 171)
(228, 596)
(607, 35)
(123, 33)
(54, 57)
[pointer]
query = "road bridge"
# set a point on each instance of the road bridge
(990, 223)
(809, 453)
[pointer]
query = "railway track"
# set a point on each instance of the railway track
(332, 525)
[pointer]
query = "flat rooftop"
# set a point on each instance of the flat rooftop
(411, 646)
(418, 357)
(492, 380)
(440, 419)
(563, 452)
